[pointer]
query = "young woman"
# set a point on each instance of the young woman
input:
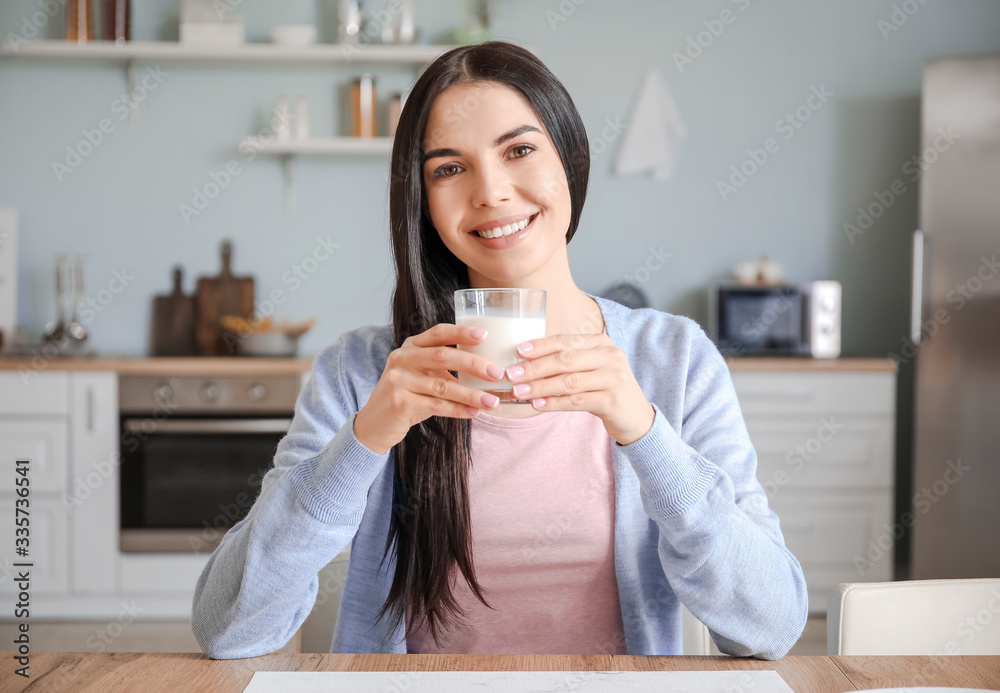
(578, 523)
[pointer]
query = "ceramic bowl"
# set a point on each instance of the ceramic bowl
(273, 344)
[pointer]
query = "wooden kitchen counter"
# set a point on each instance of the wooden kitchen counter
(166, 366)
(194, 672)
(790, 364)
(242, 365)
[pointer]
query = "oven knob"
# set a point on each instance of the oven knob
(257, 392)
(163, 393)
(826, 327)
(828, 304)
(210, 392)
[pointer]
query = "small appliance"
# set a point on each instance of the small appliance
(777, 319)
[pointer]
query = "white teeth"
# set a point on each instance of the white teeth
(504, 230)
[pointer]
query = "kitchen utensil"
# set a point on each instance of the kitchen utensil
(173, 321)
(224, 294)
(67, 329)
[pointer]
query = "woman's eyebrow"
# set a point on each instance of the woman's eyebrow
(520, 130)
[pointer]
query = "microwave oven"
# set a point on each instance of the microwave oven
(777, 320)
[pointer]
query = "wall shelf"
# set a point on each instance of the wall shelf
(175, 51)
(132, 53)
(334, 146)
(343, 146)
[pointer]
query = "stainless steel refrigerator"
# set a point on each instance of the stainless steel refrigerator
(956, 321)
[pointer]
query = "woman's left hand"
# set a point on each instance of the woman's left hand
(583, 372)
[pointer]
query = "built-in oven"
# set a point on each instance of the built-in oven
(193, 453)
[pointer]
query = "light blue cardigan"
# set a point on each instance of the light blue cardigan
(692, 524)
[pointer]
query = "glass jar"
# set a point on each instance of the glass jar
(363, 106)
(117, 20)
(395, 108)
(78, 26)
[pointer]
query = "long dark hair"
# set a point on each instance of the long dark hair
(430, 528)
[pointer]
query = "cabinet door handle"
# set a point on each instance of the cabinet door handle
(90, 409)
(917, 287)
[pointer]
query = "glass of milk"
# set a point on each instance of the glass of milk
(509, 316)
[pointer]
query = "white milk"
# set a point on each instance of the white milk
(503, 336)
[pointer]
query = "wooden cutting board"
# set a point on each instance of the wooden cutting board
(173, 321)
(217, 296)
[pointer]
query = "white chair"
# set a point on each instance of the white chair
(915, 617)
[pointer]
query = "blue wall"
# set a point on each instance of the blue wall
(120, 206)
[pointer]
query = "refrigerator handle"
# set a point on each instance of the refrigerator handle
(917, 289)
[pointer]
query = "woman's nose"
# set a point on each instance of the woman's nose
(492, 186)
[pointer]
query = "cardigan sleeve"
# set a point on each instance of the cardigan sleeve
(261, 582)
(720, 546)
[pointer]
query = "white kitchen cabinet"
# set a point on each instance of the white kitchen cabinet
(41, 439)
(28, 392)
(34, 425)
(93, 484)
(46, 548)
(824, 438)
(66, 424)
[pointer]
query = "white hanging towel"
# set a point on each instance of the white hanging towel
(655, 132)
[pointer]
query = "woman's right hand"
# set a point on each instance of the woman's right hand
(416, 385)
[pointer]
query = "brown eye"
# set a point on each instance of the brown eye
(521, 151)
(447, 171)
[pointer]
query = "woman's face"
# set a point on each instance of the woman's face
(489, 164)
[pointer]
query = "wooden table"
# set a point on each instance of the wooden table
(136, 673)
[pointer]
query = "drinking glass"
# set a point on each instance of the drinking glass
(509, 316)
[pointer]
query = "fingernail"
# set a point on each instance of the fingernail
(525, 347)
(538, 402)
(478, 332)
(489, 401)
(494, 370)
(515, 372)
(522, 389)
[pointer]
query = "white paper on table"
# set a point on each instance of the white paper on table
(655, 132)
(517, 681)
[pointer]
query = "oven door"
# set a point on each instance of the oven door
(185, 482)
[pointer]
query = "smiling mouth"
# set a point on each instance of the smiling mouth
(507, 230)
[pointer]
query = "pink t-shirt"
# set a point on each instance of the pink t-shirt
(543, 508)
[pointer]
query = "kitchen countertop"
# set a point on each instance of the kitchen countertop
(161, 365)
(237, 365)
